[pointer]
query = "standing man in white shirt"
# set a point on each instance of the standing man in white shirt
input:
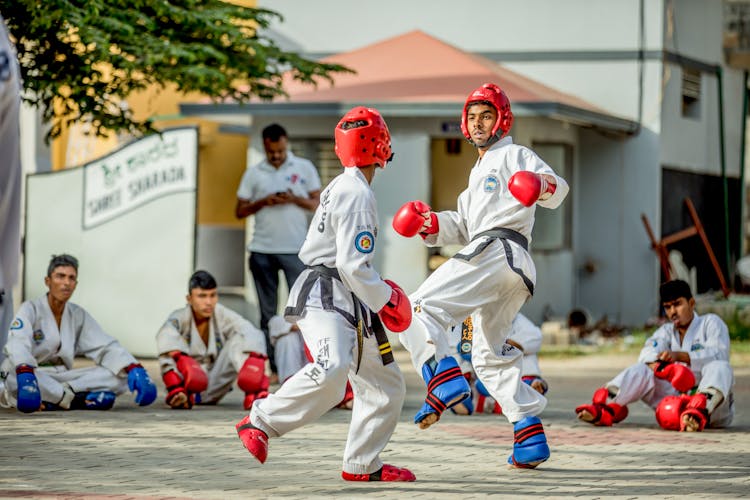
(280, 191)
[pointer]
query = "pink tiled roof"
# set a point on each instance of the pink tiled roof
(416, 67)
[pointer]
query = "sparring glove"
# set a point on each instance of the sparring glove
(140, 383)
(252, 379)
(680, 376)
(193, 375)
(396, 313)
(528, 187)
(29, 398)
(415, 217)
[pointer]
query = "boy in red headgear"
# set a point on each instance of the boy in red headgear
(338, 302)
(491, 277)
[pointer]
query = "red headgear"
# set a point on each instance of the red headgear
(494, 95)
(362, 138)
(668, 413)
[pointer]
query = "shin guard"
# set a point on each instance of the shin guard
(446, 386)
(529, 444)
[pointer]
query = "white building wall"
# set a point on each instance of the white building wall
(583, 47)
(616, 269)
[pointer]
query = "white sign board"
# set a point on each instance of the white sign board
(129, 218)
(144, 171)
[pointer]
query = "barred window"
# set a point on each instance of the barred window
(321, 152)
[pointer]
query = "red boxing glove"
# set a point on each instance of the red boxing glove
(396, 313)
(528, 187)
(194, 377)
(680, 376)
(415, 217)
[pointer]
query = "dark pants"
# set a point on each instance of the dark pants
(265, 269)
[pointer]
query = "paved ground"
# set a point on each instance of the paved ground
(153, 452)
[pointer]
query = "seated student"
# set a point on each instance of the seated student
(525, 336)
(46, 335)
(689, 348)
(204, 347)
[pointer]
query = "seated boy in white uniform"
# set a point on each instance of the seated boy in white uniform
(204, 347)
(683, 371)
(46, 335)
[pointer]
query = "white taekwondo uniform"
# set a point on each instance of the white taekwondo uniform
(707, 342)
(34, 339)
(230, 339)
(491, 277)
(336, 293)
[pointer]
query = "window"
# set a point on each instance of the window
(322, 153)
(552, 228)
(691, 93)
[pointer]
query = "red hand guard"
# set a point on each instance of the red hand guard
(527, 187)
(396, 314)
(413, 217)
(194, 377)
(680, 376)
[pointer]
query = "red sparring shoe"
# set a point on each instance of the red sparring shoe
(254, 439)
(387, 473)
(599, 412)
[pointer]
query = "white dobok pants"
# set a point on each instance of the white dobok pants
(379, 390)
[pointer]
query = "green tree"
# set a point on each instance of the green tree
(80, 59)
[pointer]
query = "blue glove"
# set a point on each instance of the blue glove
(29, 398)
(140, 382)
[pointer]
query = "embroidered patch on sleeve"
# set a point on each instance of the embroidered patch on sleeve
(364, 242)
(17, 324)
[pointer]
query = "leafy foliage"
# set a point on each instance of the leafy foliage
(81, 58)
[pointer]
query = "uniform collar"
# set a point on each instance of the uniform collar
(356, 173)
(505, 141)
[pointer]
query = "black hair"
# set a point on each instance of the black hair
(673, 290)
(274, 132)
(488, 103)
(62, 260)
(201, 279)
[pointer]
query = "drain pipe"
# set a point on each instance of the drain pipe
(743, 190)
(724, 182)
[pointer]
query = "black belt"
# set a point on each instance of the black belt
(505, 234)
(357, 321)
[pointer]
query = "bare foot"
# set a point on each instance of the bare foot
(179, 401)
(428, 420)
(586, 416)
(461, 409)
(690, 423)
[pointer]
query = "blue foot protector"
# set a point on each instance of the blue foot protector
(529, 444)
(446, 387)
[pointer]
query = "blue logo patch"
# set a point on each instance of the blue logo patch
(364, 242)
(17, 324)
(490, 184)
(38, 336)
(655, 343)
(696, 347)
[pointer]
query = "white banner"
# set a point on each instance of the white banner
(140, 172)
